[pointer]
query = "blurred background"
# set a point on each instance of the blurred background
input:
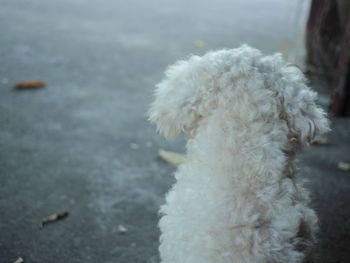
(76, 145)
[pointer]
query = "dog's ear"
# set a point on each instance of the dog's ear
(177, 98)
(305, 119)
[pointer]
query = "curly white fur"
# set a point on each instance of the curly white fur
(237, 198)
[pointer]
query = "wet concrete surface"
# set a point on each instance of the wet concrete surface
(83, 144)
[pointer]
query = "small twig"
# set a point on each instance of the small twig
(53, 218)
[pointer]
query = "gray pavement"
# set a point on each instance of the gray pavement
(83, 144)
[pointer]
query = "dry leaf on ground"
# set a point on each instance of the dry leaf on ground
(199, 43)
(344, 166)
(320, 141)
(19, 260)
(30, 84)
(122, 229)
(174, 159)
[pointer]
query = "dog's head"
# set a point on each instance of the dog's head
(193, 88)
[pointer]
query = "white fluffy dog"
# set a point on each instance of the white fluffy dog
(237, 197)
